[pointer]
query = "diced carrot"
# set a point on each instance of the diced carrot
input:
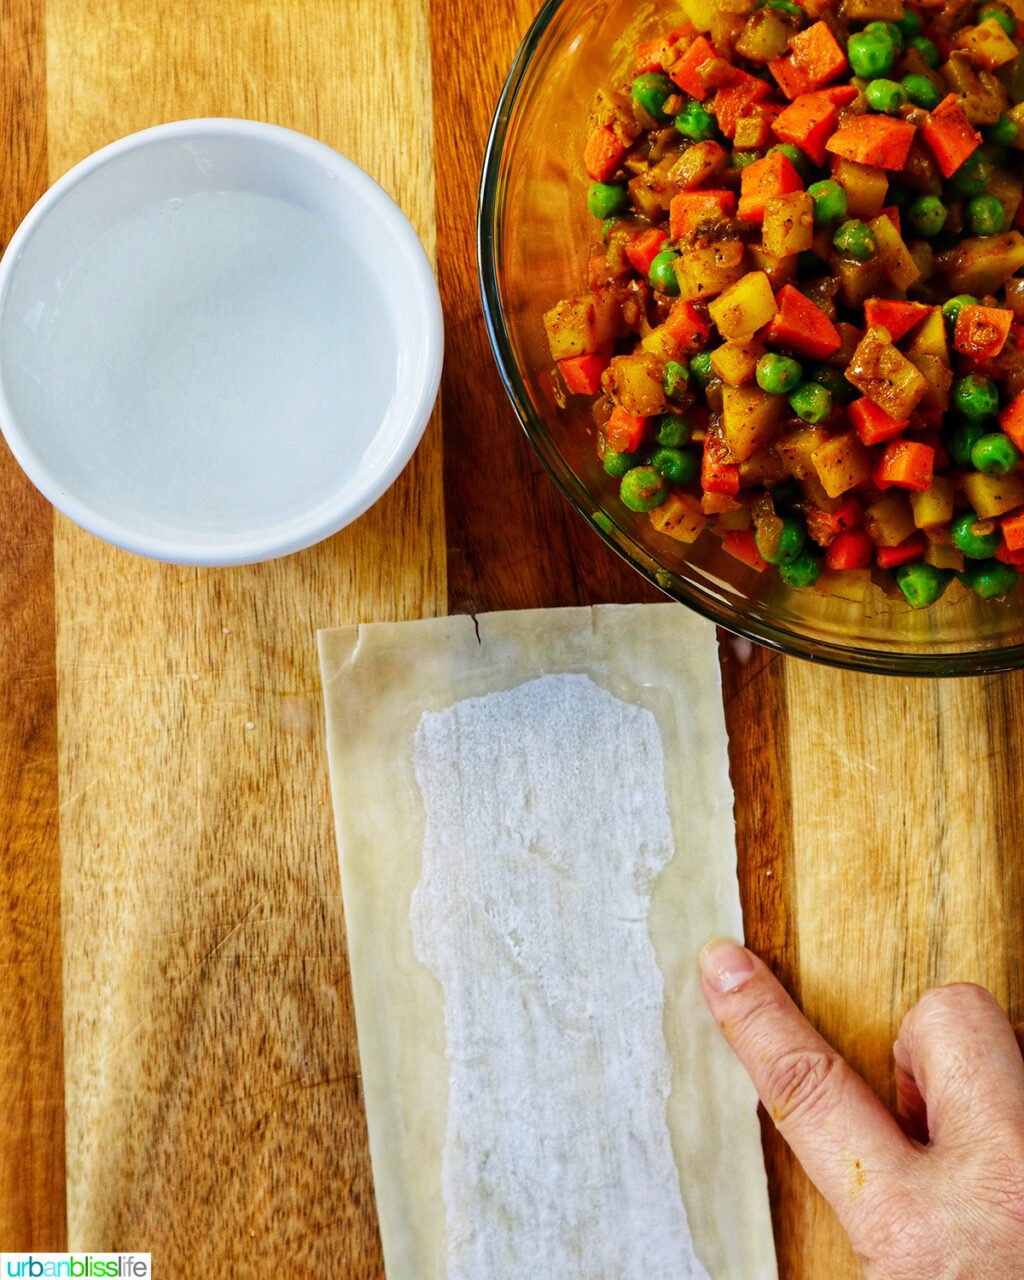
(582, 374)
(825, 526)
(801, 326)
(742, 544)
(906, 464)
(645, 247)
(1016, 558)
(603, 152)
(875, 140)
(624, 432)
(690, 208)
(1011, 419)
(949, 135)
(1013, 531)
(772, 176)
(815, 57)
(686, 72)
(718, 474)
(981, 331)
(913, 548)
(809, 121)
(736, 100)
(657, 54)
(687, 326)
(872, 424)
(892, 314)
(851, 549)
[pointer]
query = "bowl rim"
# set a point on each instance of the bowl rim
(780, 638)
(420, 292)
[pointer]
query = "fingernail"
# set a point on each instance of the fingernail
(726, 965)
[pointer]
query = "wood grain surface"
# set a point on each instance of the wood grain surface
(164, 791)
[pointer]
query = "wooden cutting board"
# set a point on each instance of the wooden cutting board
(178, 1066)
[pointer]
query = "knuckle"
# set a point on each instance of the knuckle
(802, 1084)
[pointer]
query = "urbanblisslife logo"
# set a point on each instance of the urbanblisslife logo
(76, 1266)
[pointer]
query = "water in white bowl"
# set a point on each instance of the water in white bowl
(197, 351)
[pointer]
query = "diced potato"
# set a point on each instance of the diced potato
(871, 10)
(585, 323)
(981, 95)
(924, 258)
(938, 378)
(849, 336)
(679, 517)
(944, 557)
(988, 44)
(733, 520)
(705, 272)
(797, 448)
(636, 382)
(719, 504)
(744, 306)
(889, 520)
(779, 271)
(765, 36)
(750, 419)
(661, 343)
(841, 463)
(735, 362)
(1007, 188)
(700, 12)
(698, 164)
(865, 187)
(763, 468)
(994, 495)
(753, 132)
(980, 264)
(931, 338)
(884, 374)
(899, 265)
(933, 506)
(788, 223)
(858, 281)
(845, 584)
(650, 197)
(725, 28)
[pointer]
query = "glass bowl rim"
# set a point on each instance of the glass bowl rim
(776, 637)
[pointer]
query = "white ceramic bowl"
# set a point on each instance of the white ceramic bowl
(220, 342)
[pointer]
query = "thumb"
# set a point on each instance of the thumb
(839, 1130)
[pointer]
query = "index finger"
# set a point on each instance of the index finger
(839, 1130)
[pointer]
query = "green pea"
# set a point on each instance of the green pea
(643, 488)
(926, 49)
(927, 216)
(962, 439)
(795, 157)
(830, 204)
(778, 374)
(871, 53)
(1005, 20)
(650, 91)
(672, 430)
(678, 466)
(694, 122)
(995, 454)
(909, 24)
(787, 6)
(975, 546)
(855, 239)
(921, 91)
(606, 198)
(985, 216)
(891, 29)
(804, 571)
(812, 402)
(662, 274)
(608, 226)
(1004, 133)
(740, 159)
(675, 381)
(700, 369)
(973, 176)
(922, 584)
(790, 544)
(990, 578)
(617, 464)
(975, 397)
(952, 307)
(885, 95)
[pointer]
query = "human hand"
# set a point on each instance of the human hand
(936, 1195)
